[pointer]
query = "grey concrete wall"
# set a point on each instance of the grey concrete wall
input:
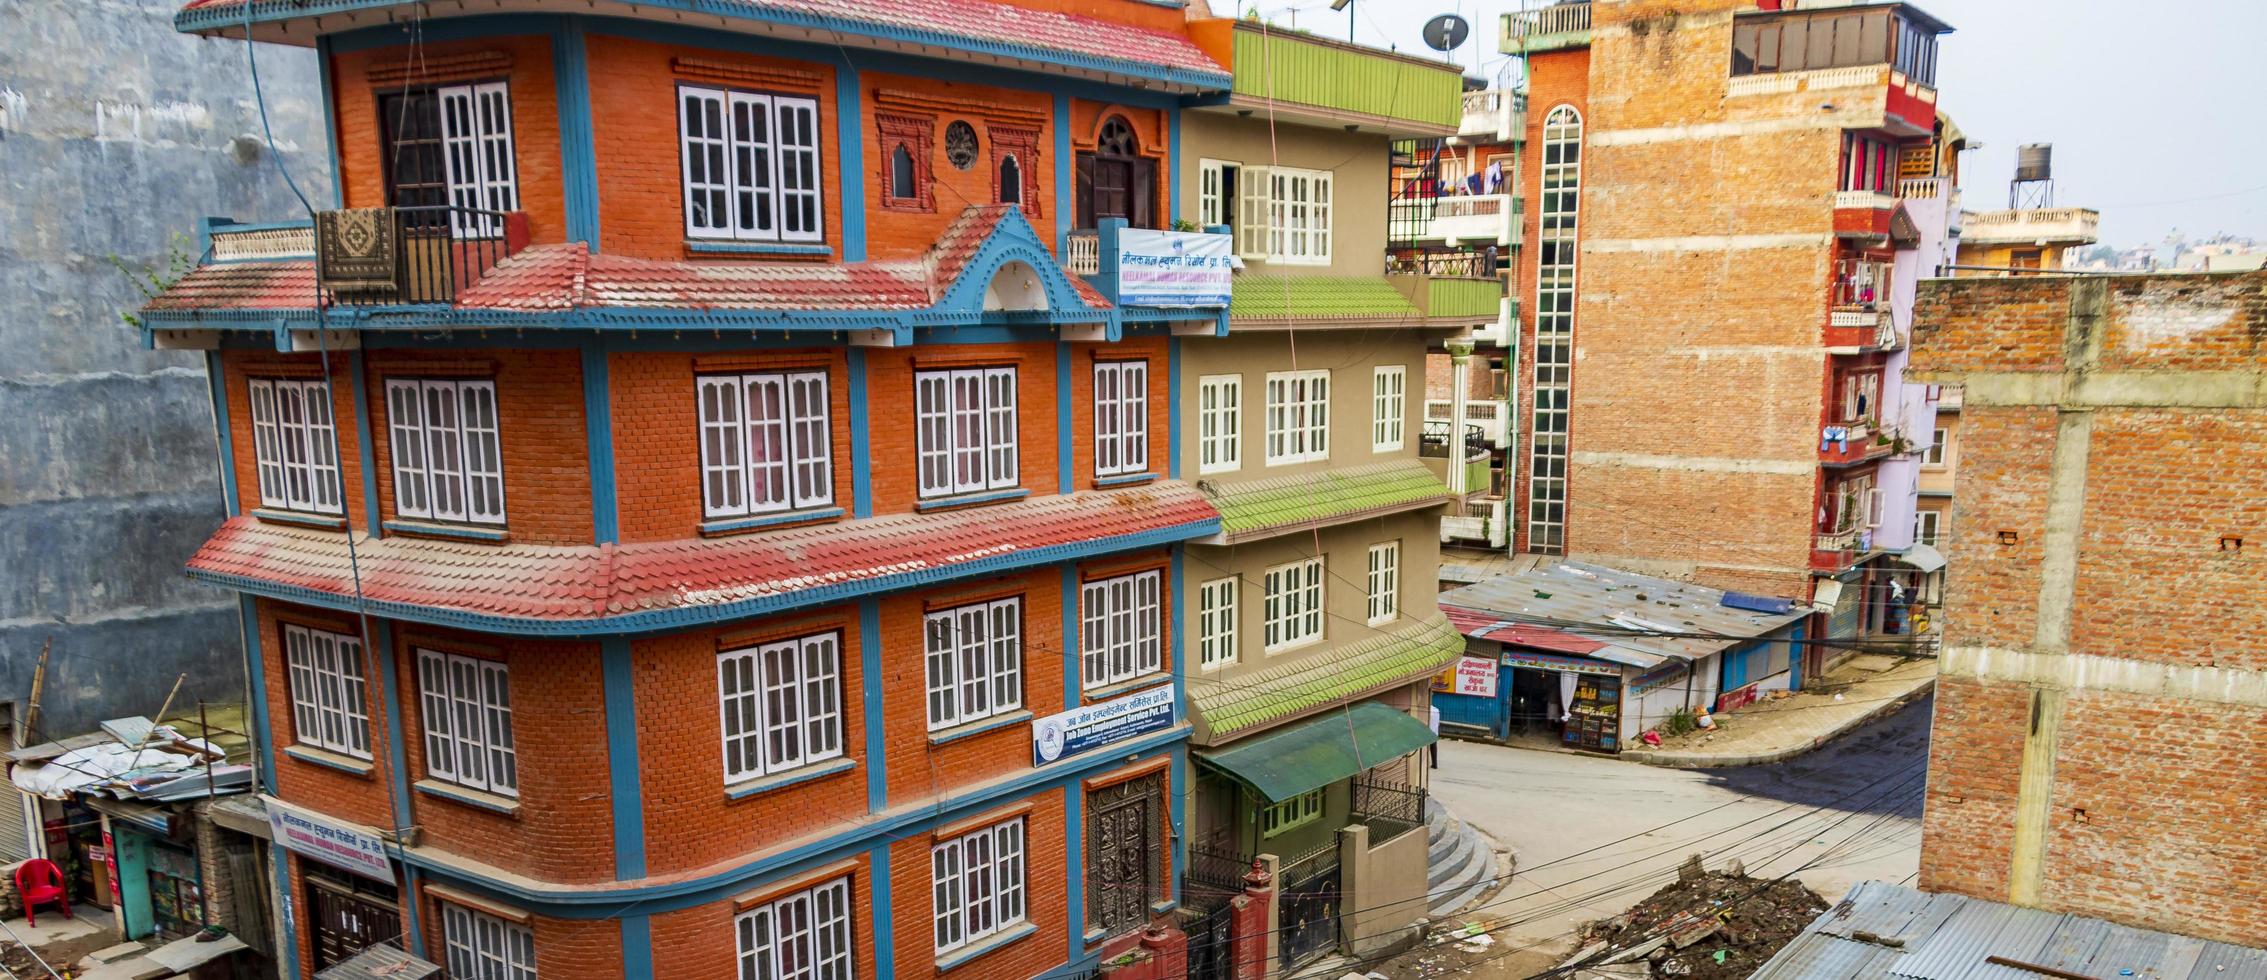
(115, 134)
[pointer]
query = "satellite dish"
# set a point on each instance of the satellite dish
(1446, 32)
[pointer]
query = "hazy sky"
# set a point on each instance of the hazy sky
(2157, 110)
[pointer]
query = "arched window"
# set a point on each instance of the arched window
(1557, 220)
(902, 182)
(1010, 180)
(1116, 181)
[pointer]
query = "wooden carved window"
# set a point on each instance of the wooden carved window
(1115, 180)
(1015, 167)
(906, 152)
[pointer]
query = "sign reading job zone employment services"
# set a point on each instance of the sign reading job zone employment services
(319, 837)
(1071, 732)
(1174, 268)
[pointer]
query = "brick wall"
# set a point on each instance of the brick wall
(539, 419)
(240, 368)
(893, 231)
(920, 770)
(889, 390)
(1046, 895)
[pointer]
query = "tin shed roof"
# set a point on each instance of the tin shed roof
(1552, 601)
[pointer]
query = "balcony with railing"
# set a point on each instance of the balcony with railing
(1433, 446)
(1860, 318)
(1863, 213)
(1850, 443)
(1496, 115)
(1457, 220)
(2032, 226)
(422, 255)
(1481, 414)
(1485, 520)
(1835, 551)
(1553, 28)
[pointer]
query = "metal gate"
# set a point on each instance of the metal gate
(346, 920)
(1309, 910)
(1124, 860)
(1212, 944)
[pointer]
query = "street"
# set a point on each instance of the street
(1594, 835)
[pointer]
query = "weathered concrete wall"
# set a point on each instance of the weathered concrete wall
(116, 134)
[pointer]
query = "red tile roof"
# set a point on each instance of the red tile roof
(1483, 625)
(975, 20)
(280, 285)
(673, 582)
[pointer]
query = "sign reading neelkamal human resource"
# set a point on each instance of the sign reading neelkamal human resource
(1174, 268)
(1069, 733)
(319, 837)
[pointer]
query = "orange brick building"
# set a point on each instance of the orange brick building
(2102, 704)
(691, 517)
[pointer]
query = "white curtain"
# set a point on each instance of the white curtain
(1566, 693)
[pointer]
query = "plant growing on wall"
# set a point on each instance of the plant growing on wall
(153, 280)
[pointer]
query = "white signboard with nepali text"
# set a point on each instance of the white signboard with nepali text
(317, 837)
(1476, 676)
(1174, 268)
(1092, 726)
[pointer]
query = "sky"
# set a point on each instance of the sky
(2157, 110)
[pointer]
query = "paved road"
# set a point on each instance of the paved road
(1844, 814)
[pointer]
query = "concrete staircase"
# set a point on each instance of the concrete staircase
(1462, 863)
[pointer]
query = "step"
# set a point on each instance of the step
(1437, 849)
(1461, 849)
(1474, 877)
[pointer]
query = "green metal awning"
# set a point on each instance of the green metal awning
(1320, 751)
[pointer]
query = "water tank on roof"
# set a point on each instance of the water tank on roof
(2034, 161)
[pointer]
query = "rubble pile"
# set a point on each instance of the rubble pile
(1706, 925)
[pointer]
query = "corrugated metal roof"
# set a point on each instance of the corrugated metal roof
(1307, 298)
(1254, 509)
(1949, 937)
(1572, 592)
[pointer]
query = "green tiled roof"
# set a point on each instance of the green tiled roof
(1396, 654)
(1318, 298)
(1261, 508)
(1310, 70)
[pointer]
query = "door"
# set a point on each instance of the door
(1124, 853)
(348, 915)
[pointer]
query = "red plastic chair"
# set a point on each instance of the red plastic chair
(39, 880)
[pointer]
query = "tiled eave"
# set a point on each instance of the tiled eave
(966, 30)
(1259, 509)
(540, 590)
(1391, 656)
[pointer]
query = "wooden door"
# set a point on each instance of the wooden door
(346, 919)
(1124, 856)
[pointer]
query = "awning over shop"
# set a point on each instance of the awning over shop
(1923, 557)
(381, 962)
(1321, 750)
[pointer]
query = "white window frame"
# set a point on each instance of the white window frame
(1220, 423)
(1291, 610)
(1933, 458)
(965, 431)
(329, 690)
(1284, 215)
(1389, 408)
(1214, 206)
(476, 141)
(769, 183)
(780, 705)
(977, 885)
(802, 935)
(452, 468)
(974, 659)
(1557, 232)
(1121, 634)
(1298, 417)
(1121, 417)
(786, 414)
(1927, 525)
(486, 947)
(468, 721)
(1384, 583)
(1216, 602)
(296, 446)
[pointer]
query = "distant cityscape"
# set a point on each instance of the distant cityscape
(2177, 253)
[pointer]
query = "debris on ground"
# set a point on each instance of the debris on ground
(1706, 925)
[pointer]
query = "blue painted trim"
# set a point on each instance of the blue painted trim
(735, 524)
(1173, 408)
(216, 380)
(1074, 866)
(683, 617)
(450, 531)
(1794, 660)
(279, 879)
(1065, 458)
(434, 30)
(248, 624)
(598, 430)
(637, 948)
(397, 750)
(870, 678)
(758, 787)
(791, 18)
(330, 760)
(1173, 164)
(884, 926)
(329, 118)
(990, 944)
(861, 439)
(1071, 664)
(950, 735)
(578, 145)
(1177, 794)
(468, 797)
(365, 449)
(1066, 187)
(1125, 479)
(970, 499)
(268, 515)
(850, 169)
(760, 248)
(586, 902)
(411, 910)
(622, 761)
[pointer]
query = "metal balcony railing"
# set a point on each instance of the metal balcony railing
(1434, 440)
(1563, 18)
(438, 251)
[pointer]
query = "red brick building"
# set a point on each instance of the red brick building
(2102, 707)
(689, 520)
